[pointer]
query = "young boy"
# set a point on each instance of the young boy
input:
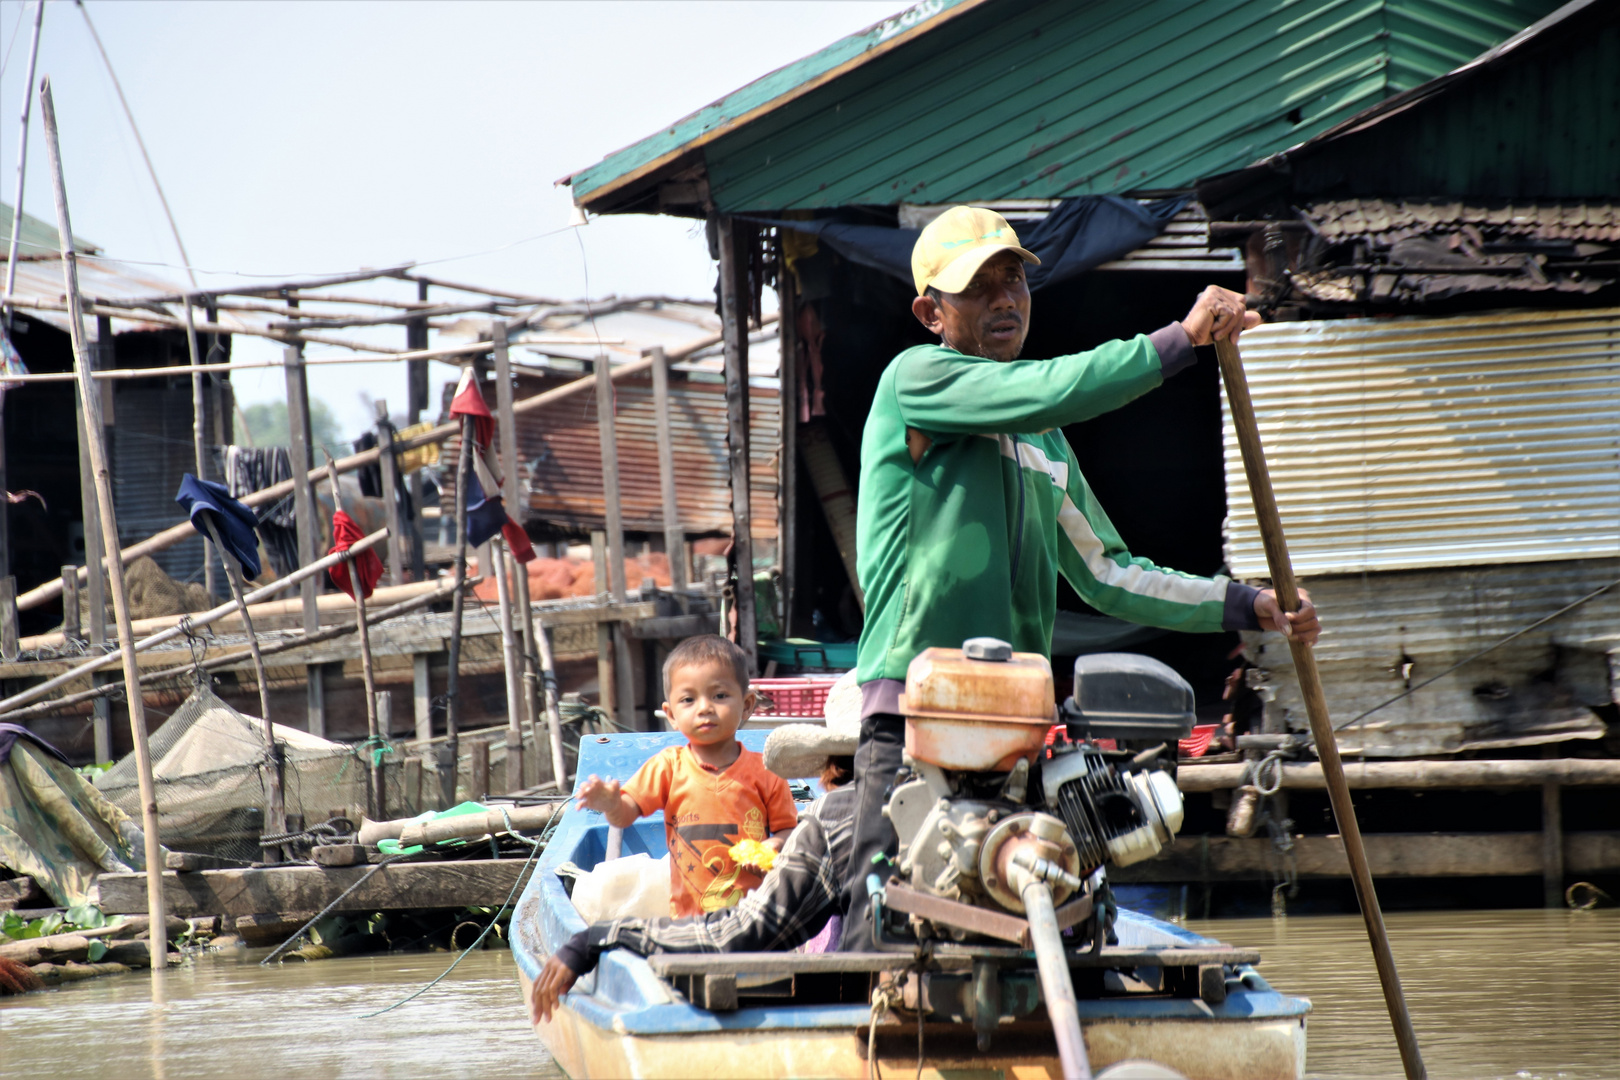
(713, 791)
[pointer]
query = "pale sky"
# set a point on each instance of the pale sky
(300, 139)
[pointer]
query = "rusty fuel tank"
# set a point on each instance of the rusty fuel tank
(980, 708)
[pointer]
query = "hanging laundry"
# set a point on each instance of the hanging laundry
(11, 363)
(421, 456)
(234, 521)
(370, 476)
(254, 468)
(469, 401)
(345, 534)
(486, 516)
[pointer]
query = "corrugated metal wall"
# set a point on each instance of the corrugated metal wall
(1063, 98)
(562, 460)
(151, 450)
(1385, 632)
(1401, 443)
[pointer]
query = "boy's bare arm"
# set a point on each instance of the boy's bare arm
(778, 838)
(608, 798)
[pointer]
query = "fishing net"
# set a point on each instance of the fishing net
(210, 766)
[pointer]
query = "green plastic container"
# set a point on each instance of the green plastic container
(809, 655)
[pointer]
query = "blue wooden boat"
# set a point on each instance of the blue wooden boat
(798, 1015)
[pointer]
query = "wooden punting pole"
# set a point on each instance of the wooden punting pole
(91, 419)
(1310, 687)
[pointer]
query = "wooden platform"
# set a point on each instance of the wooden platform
(396, 887)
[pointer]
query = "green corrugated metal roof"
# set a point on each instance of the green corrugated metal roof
(35, 237)
(1053, 99)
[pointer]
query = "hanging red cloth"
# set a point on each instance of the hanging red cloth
(469, 401)
(345, 533)
(518, 541)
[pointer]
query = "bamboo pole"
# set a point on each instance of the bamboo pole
(548, 687)
(1310, 685)
(452, 689)
(50, 590)
(512, 581)
(159, 946)
(416, 399)
(199, 444)
(8, 616)
(96, 583)
(275, 815)
(374, 792)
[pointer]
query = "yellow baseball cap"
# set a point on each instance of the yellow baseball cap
(955, 244)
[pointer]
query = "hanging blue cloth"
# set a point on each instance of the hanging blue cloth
(234, 521)
(485, 514)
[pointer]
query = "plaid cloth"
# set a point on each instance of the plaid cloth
(798, 896)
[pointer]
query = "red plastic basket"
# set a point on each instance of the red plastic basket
(792, 697)
(1197, 744)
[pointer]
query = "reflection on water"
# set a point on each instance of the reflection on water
(1502, 994)
(227, 1017)
(1492, 993)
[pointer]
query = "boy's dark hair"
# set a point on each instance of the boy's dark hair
(706, 649)
(838, 771)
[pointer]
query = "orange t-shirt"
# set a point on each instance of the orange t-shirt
(705, 812)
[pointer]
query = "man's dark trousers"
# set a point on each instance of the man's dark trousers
(877, 759)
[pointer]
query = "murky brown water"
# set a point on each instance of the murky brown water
(1492, 993)
(1501, 994)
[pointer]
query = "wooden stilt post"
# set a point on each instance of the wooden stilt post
(452, 690)
(1552, 844)
(199, 439)
(70, 604)
(787, 460)
(275, 816)
(374, 792)
(512, 491)
(422, 696)
(734, 327)
(504, 466)
(1310, 685)
(8, 617)
(674, 535)
(625, 711)
(95, 578)
(91, 420)
(307, 520)
(548, 674)
(607, 683)
(388, 467)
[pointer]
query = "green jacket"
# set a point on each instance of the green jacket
(969, 540)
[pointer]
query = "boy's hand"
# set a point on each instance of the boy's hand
(599, 795)
(555, 980)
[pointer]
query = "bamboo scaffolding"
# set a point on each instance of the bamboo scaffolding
(197, 622)
(50, 590)
(225, 660)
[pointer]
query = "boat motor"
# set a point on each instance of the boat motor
(998, 840)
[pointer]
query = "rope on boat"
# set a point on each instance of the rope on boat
(536, 846)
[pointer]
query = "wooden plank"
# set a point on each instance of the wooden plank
(1552, 844)
(1219, 858)
(673, 965)
(396, 887)
(1417, 774)
(665, 627)
(422, 697)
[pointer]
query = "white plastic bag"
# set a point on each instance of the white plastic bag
(634, 886)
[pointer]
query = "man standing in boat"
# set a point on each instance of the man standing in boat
(972, 503)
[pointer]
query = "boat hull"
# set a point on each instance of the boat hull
(1259, 1049)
